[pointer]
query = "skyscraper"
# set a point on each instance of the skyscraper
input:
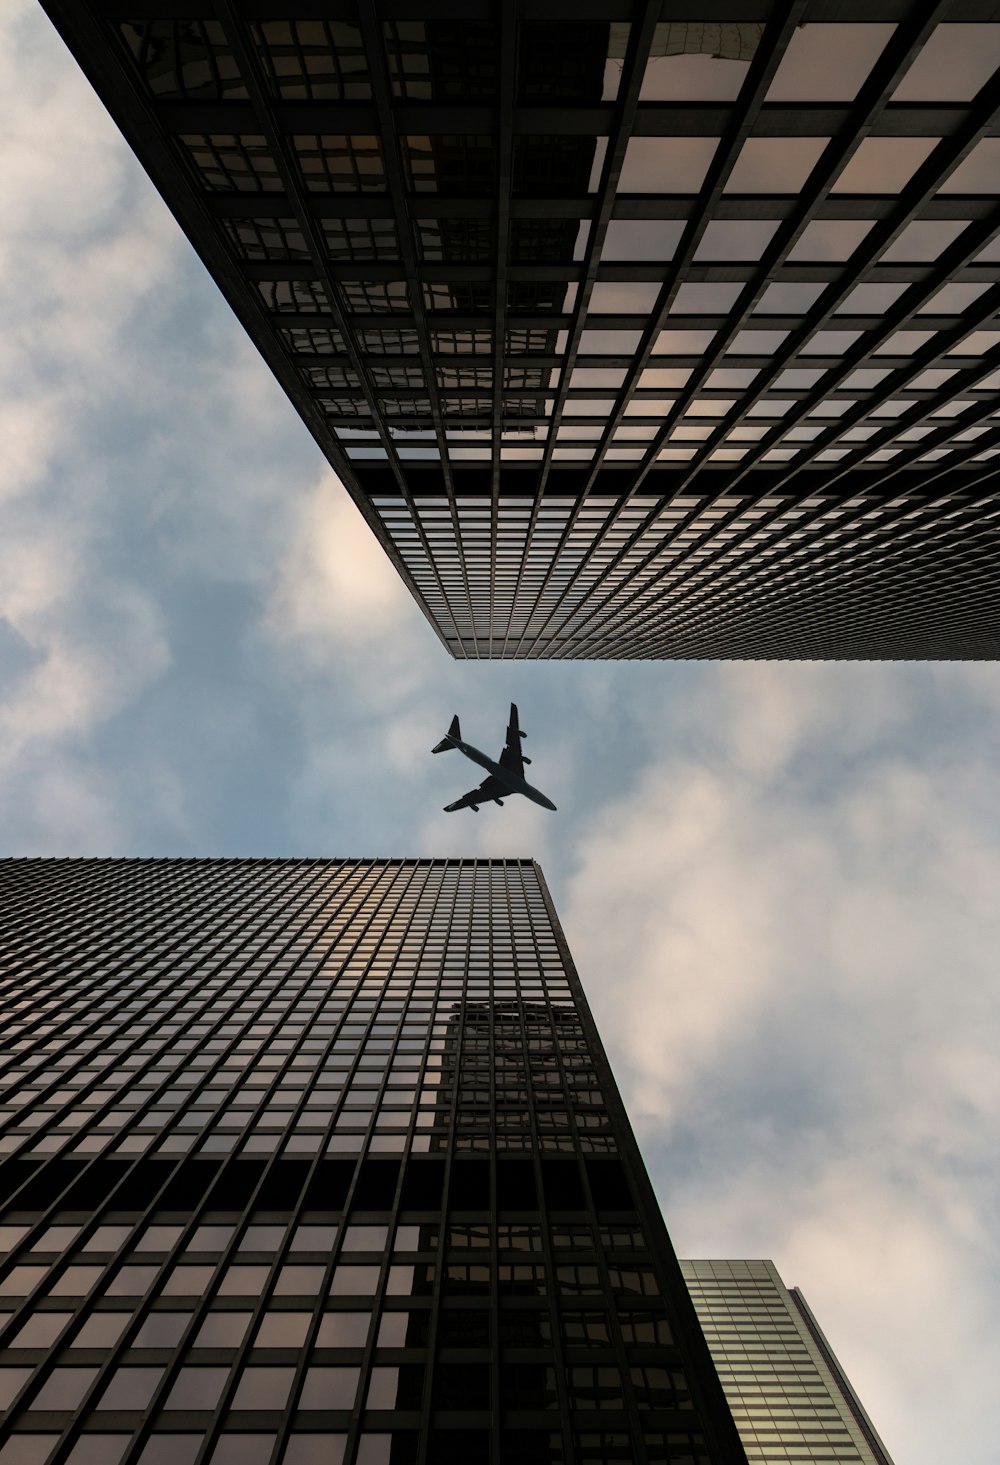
(320, 1162)
(790, 1397)
(631, 335)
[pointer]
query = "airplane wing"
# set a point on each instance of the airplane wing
(511, 757)
(490, 788)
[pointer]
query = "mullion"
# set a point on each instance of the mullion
(874, 93)
(766, 60)
(936, 348)
(249, 65)
(636, 59)
(389, 130)
(765, 571)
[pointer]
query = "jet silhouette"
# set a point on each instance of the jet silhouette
(505, 777)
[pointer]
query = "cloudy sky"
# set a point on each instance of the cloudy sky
(779, 881)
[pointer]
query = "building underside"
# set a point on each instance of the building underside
(631, 336)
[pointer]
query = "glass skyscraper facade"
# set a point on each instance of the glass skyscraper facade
(632, 334)
(791, 1399)
(321, 1162)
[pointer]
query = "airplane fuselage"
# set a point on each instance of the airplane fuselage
(512, 781)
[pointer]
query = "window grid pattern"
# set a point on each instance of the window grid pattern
(787, 1402)
(738, 260)
(313, 1160)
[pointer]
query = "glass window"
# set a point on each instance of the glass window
(870, 299)
(345, 1329)
(197, 1387)
(952, 299)
(315, 1449)
(329, 1388)
(698, 61)
(827, 63)
(314, 1238)
(775, 164)
(131, 1281)
(237, 1281)
(666, 164)
(980, 173)
(27, 1449)
(130, 1388)
(263, 1388)
(159, 1329)
(98, 1449)
(222, 1330)
(884, 164)
(299, 1281)
(12, 1381)
(354, 1281)
(243, 1449)
(952, 65)
(159, 1238)
(171, 1449)
(829, 240)
(788, 297)
(705, 299)
(42, 1329)
(736, 239)
(365, 1238)
(642, 239)
(101, 1330)
(283, 1330)
(613, 297)
(383, 1384)
(923, 240)
(64, 1388)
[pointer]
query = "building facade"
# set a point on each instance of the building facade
(631, 335)
(790, 1397)
(320, 1162)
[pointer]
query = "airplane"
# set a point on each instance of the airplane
(505, 777)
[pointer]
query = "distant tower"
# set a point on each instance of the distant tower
(790, 1397)
(321, 1162)
(630, 336)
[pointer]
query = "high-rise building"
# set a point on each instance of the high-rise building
(320, 1162)
(631, 334)
(790, 1397)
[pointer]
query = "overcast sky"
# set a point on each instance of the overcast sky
(780, 882)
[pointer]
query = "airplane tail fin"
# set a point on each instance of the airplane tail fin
(454, 732)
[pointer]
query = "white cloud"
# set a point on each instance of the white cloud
(791, 954)
(335, 586)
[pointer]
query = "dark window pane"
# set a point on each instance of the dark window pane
(462, 1386)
